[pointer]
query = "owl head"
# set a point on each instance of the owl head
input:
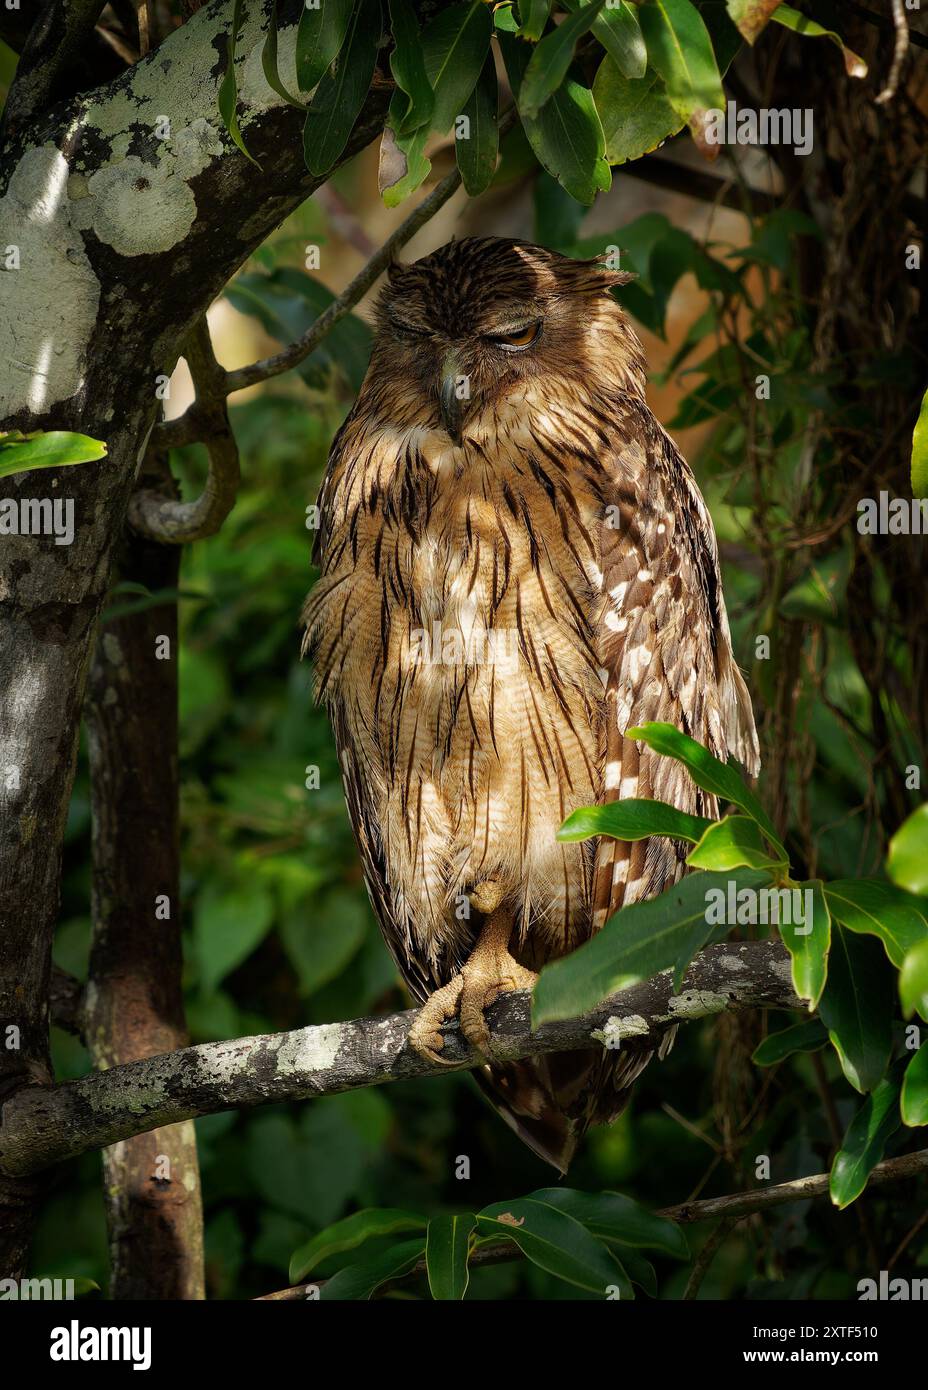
(479, 318)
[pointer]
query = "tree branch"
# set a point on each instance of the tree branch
(166, 519)
(60, 52)
(731, 1209)
(134, 1001)
(131, 252)
(189, 427)
(900, 49)
(799, 1190)
(42, 1125)
(295, 353)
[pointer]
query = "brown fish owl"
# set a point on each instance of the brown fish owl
(516, 566)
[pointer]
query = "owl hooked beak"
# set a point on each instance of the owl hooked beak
(449, 398)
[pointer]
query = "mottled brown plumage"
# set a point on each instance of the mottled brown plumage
(550, 514)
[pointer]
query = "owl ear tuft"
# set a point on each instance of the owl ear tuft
(607, 274)
(395, 270)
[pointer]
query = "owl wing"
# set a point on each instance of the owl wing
(419, 979)
(332, 540)
(662, 636)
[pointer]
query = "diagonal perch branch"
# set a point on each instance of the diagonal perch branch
(42, 1125)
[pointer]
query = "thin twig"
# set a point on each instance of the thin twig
(295, 353)
(690, 1127)
(731, 1209)
(906, 1239)
(184, 430)
(900, 49)
(799, 1190)
(707, 1254)
(144, 18)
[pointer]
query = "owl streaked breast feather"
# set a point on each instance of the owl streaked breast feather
(511, 576)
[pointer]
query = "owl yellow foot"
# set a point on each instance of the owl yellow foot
(489, 972)
(425, 1034)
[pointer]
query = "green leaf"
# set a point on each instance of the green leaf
(920, 451)
(801, 1037)
(639, 1270)
(547, 67)
(504, 19)
(407, 64)
(801, 24)
(403, 163)
(857, 1008)
(751, 16)
(227, 926)
(732, 843)
(228, 90)
(707, 772)
(318, 949)
(337, 100)
(636, 115)
(680, 48)
(534, 16)
(557, 215)
(359, 1281)
(907, 864)
(348, 1234)
(864, 1143)
(455, 45)
(21, 453)
(914, 1103)
(566, 136)
(639, 942)
(447, 1249)
(269, 60)
(555, 1242)
(319, 39)
(477, 155)
(875, 908)
(619, 32)
(614, 1217)
(913, 981)
(809, 943)
(633, 819)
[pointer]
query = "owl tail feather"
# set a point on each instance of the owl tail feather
(551, 1101)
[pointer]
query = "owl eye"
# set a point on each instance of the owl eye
(404, 329)
(517, 341)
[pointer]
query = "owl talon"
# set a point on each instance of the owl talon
(489, 972)
(490, 969)
(425, 1035)
(487, 975)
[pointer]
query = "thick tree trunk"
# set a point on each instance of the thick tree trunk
(131, 209)
(135, 1002)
